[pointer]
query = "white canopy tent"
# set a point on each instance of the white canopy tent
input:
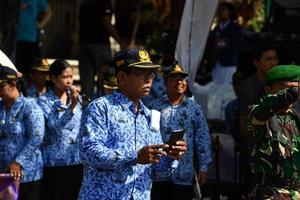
(194, 29)
(5, 61)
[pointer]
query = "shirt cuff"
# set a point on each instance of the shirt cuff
(19, 160)
(203, 168)
(128, 157)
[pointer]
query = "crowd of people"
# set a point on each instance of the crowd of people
(110, 148)
(263, 121)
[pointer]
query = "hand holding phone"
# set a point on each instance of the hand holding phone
(177, 145)
(175, 136)
(151, 154)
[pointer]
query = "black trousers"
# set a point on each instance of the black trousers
(30, 190)
(61, 183)
(165, 190)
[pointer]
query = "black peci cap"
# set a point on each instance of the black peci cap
(174, 69)
(7, 73)
(41, 64)
(135, 58)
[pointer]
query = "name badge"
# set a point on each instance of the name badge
(122, 119)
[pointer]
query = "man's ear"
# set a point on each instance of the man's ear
(121, 77)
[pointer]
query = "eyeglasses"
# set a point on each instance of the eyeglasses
(144, 74)
(3, 84)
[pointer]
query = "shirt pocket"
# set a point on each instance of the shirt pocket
(15, 128)
(120, 128)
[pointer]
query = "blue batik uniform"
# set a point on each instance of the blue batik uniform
(21, 135)
(32, 92)
(61, 144)
(187, 115)
(112, 134)
(158, 90)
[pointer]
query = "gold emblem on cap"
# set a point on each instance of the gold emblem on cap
(44, 62)
(178, 69)
(144, 56)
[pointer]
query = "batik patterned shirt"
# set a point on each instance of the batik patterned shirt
(158, 90)
(112, 134)
(32, 92)
(21, 135)
(189, 116)
(61, 143)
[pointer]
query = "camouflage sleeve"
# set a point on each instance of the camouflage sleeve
(272, 105)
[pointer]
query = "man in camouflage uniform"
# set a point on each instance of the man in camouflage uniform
(274, 130)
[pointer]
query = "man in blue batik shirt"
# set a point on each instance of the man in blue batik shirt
(179, 112)
(121, 146)
(38, 76)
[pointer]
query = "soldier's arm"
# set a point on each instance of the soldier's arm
(274, 104)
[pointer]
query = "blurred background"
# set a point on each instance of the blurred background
(142, 23)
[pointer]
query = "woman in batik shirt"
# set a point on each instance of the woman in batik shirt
(21, 134)
(62, 110)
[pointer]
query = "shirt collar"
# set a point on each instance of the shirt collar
(32, 91)
(165, 99)
(15, 108)
(224, 24)
(57, 101)
(126, 103)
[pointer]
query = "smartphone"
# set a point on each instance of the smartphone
(175, 136)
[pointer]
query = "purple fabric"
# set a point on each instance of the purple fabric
(9, 189)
